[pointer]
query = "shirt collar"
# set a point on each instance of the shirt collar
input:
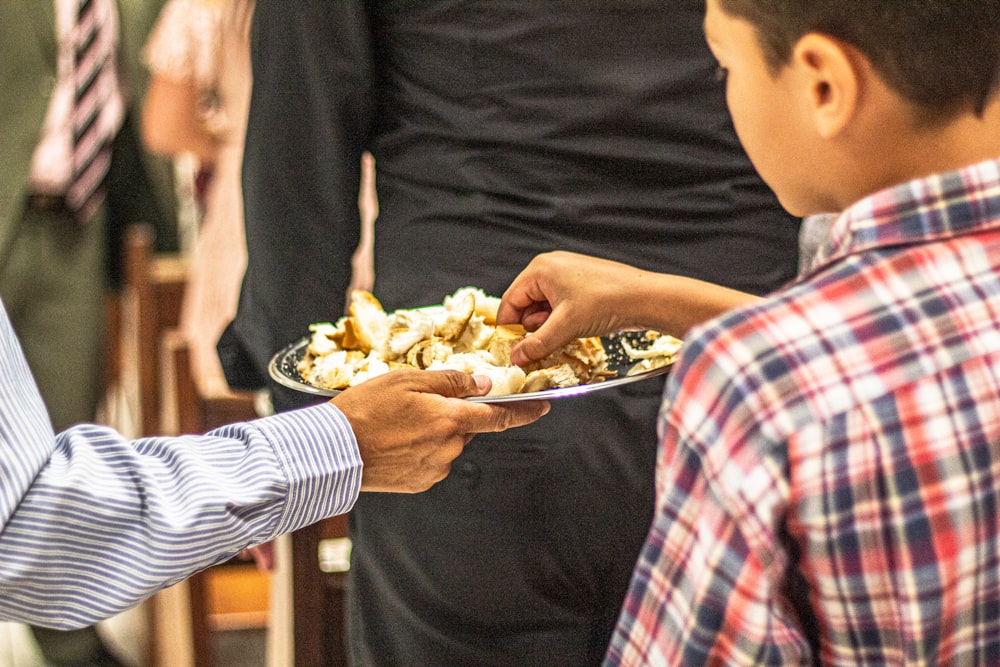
(926, 209)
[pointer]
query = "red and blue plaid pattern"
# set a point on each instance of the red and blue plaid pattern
(844, 435)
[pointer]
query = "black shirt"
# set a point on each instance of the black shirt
(501, 129)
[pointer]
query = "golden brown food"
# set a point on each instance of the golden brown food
(459, 334)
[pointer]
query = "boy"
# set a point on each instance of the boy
(829, 471)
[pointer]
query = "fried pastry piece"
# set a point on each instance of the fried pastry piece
(584, 356)
(551, 377)
(459, 309)
(367, 325)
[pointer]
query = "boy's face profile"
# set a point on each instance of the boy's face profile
(771, 118)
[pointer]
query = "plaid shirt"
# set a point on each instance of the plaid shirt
(841, 440)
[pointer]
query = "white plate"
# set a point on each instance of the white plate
(284, 369)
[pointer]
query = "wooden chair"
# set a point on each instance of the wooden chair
(318, 596)
(151, 303)
(194, 413)
(168, 402)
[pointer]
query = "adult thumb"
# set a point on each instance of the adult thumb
(456, 384)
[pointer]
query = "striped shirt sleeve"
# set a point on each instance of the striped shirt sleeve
(92, 523)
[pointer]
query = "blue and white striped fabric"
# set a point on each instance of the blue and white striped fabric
(92, 523)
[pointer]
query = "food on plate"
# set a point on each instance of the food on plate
(660, 352)
(460, 334)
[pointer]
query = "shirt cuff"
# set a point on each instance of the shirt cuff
(317, 449)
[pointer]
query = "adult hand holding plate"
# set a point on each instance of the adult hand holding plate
(410, 427)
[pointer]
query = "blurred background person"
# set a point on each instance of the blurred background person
(72, 176)
(195, 107)
(195, 111)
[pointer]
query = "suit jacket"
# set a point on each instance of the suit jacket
(28, 51)
(27, 74)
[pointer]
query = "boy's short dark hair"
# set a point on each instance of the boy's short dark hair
(942, 55)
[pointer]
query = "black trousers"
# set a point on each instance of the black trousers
(522, 555)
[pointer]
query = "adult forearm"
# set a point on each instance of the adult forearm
(164, 508)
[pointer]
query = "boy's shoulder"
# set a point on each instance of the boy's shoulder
(872, 317)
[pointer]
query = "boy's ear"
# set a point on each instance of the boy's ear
(833, 86)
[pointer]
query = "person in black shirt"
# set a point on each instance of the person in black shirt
(500, 130)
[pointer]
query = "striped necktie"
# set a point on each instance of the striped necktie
(94, 82)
